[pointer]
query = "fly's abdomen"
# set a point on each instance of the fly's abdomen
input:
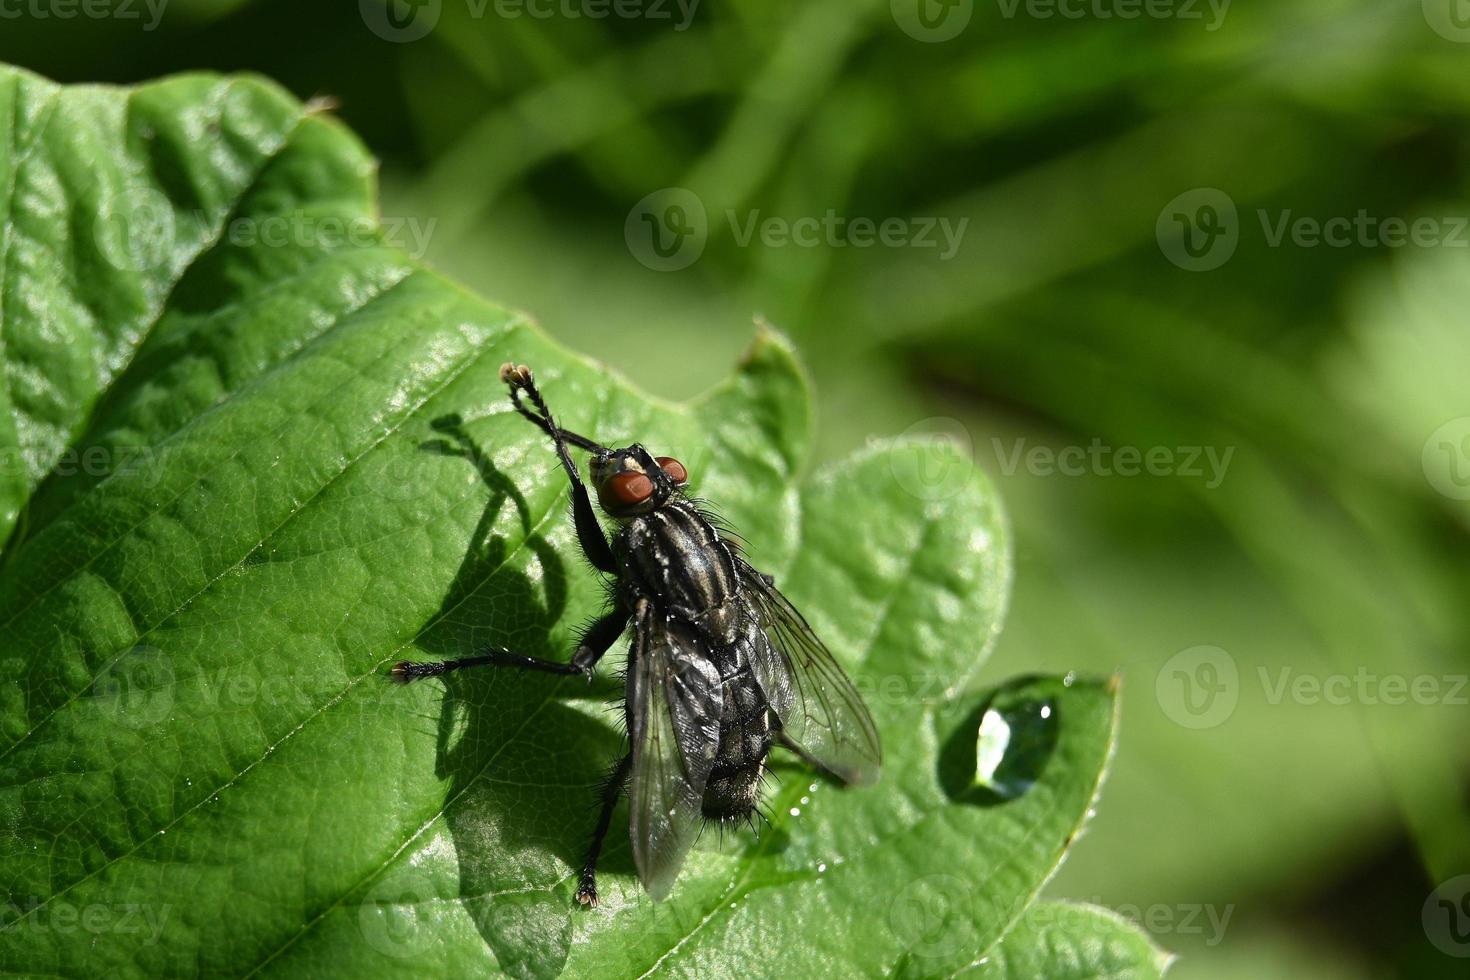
(746, 735)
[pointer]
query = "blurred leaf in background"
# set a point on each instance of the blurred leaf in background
(1173, 235)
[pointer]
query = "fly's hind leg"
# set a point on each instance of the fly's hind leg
(784, 740)
(611, 790)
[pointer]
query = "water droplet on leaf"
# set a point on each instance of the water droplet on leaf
(1015, 738)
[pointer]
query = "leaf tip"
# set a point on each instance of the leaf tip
(770, 393)
(771, 349)
(321, 104)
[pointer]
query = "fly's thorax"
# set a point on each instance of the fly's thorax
(674, 557)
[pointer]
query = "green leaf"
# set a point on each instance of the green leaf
(1063, 941)
(304, 468)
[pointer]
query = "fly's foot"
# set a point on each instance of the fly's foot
(406, 671)
(584, 660)
(587, 892)
(516, 375)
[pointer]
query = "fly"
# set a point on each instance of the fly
(721, 669)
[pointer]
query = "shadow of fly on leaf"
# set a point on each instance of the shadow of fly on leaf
(721, 668)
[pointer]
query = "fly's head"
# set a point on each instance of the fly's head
(630, 482)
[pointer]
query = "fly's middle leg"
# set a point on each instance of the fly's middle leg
(596, 642)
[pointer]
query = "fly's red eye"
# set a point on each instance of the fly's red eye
(674, 469)
(625, 490)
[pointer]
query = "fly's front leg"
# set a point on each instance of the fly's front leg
(611, 790)
(595, 642)
(589, 531)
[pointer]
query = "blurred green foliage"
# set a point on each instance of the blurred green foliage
(1327, 371)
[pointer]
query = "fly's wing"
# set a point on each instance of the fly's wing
(821, 713)
(674, 707)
